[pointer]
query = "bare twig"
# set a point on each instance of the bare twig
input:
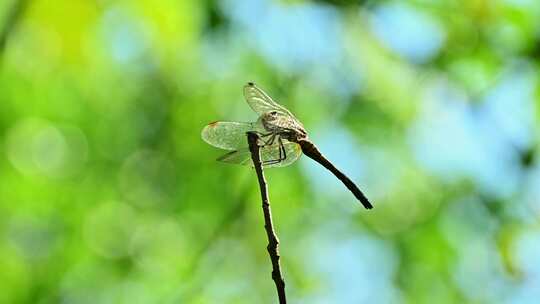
(234, 214)
(273, 242)
(12, 18)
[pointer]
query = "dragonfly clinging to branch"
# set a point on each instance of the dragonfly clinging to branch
(282, 138)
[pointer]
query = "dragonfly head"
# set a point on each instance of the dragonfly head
(272, 116)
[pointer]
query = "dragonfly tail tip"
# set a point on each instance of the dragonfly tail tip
(366, 204)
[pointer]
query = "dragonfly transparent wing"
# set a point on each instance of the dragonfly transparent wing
(237, 157)
(260, 102)
(227, 135)
(268, 153)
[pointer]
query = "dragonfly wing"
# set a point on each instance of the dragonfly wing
(270, 153)
(227, 135)
(238, 157)
(260, 102)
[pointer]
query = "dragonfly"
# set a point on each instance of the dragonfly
(281, 138)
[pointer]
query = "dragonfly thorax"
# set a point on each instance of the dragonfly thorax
(284, 125)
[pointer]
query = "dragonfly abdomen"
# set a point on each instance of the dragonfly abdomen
(311, 151)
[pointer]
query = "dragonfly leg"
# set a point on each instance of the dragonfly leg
(270, 141)
(271, 162)
(263, 135)
(282, 148)
(282, 155)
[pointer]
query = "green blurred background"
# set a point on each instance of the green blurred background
(109, 195)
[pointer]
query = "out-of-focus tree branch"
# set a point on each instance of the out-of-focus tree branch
(13, 16)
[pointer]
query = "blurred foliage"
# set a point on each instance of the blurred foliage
(108, 194)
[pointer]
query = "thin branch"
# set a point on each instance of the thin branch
(273, 242)
(14, 14)
(234, 214)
